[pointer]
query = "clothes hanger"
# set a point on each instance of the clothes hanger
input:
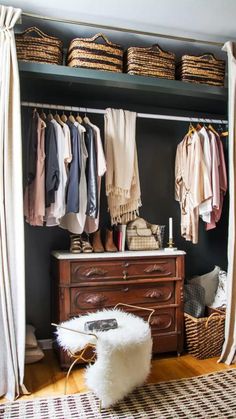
(63, 117)
(71, 118)
(86, 119)
(58, 119)
(43, 116)
(212, 129)
(224, 133)
(191, 129)
(78, 118)
(50, 116)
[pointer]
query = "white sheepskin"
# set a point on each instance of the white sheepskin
(123, 354)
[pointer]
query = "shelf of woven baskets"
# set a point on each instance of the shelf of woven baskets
(107, 86)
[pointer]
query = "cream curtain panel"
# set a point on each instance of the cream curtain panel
(12, 274)
(229, 348)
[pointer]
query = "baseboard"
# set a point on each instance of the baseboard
(45, 343)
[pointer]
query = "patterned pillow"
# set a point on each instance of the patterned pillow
(220, 299)
(194, 300)
(209, 282)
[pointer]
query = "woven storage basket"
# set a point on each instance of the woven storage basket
(152, 61)
(201, 69)
(205, 335)
(89, 53)
(41, 48)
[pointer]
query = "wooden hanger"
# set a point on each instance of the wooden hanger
(43, 115)
(58, 119)
(191, 129)
(212, 129)
(71, 118)
(78, 118)
(50, 116)
(64, 117)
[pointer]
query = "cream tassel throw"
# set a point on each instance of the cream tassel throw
(122, 176)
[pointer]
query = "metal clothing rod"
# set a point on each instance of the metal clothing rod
(139, 115)
(121, 29)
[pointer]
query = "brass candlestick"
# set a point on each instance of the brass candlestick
(170, 245)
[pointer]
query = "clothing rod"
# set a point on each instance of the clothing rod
(139, 115)
(122, 29)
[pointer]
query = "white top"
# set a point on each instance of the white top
(64, 254)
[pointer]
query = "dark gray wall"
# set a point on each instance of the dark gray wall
(156, 142)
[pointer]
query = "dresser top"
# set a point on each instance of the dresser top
(64, 254)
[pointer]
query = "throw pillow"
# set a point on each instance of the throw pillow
(30, 339)
(220, 299)
(209, 282)
(194, 300)
(33, 355)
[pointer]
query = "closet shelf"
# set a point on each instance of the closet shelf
(117, 88)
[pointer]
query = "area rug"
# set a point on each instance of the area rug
(208, 396)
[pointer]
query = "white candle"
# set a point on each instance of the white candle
(170, 228)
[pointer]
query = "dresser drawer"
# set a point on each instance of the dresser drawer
(122, 269)
(87, 298)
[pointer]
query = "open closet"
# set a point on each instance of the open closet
(165, 108)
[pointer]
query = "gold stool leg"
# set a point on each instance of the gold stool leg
(68, 373)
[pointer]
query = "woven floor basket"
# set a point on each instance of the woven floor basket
(152, 61)
(201, 69)
(91, 53)
(204, 335)
(41, 48)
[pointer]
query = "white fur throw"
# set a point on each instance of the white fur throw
(123, 354)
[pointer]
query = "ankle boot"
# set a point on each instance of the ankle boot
(109, 244)
(97, 243)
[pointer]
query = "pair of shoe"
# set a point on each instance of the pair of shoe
(109, 245)
(78, 244)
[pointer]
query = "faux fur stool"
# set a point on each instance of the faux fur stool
(123, 355)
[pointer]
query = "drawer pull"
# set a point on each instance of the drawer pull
(96, 300)
(126, 264)
(126, 289)
(162, 322)
(156, 268)
(95, 271)
(153, 294)
(124, 275)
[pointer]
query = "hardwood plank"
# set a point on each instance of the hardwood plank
(45, 378)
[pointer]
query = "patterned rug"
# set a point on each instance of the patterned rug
(208, 396)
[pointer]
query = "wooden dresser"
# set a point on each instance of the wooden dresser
(89, 282)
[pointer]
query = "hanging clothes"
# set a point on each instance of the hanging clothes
(92, 224)
(31, 149)
(205, 208)
(72, 193)
(122, 176)
(219, 181)
(58, 208)
(34, 197)
(74, 222)
(192, 184)
(91, 173)
(52, 178)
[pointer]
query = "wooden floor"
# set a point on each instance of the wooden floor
(45, 378)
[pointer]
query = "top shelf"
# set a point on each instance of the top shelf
(65, 83)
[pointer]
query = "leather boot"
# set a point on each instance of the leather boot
(109, 244)
(97, 243)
